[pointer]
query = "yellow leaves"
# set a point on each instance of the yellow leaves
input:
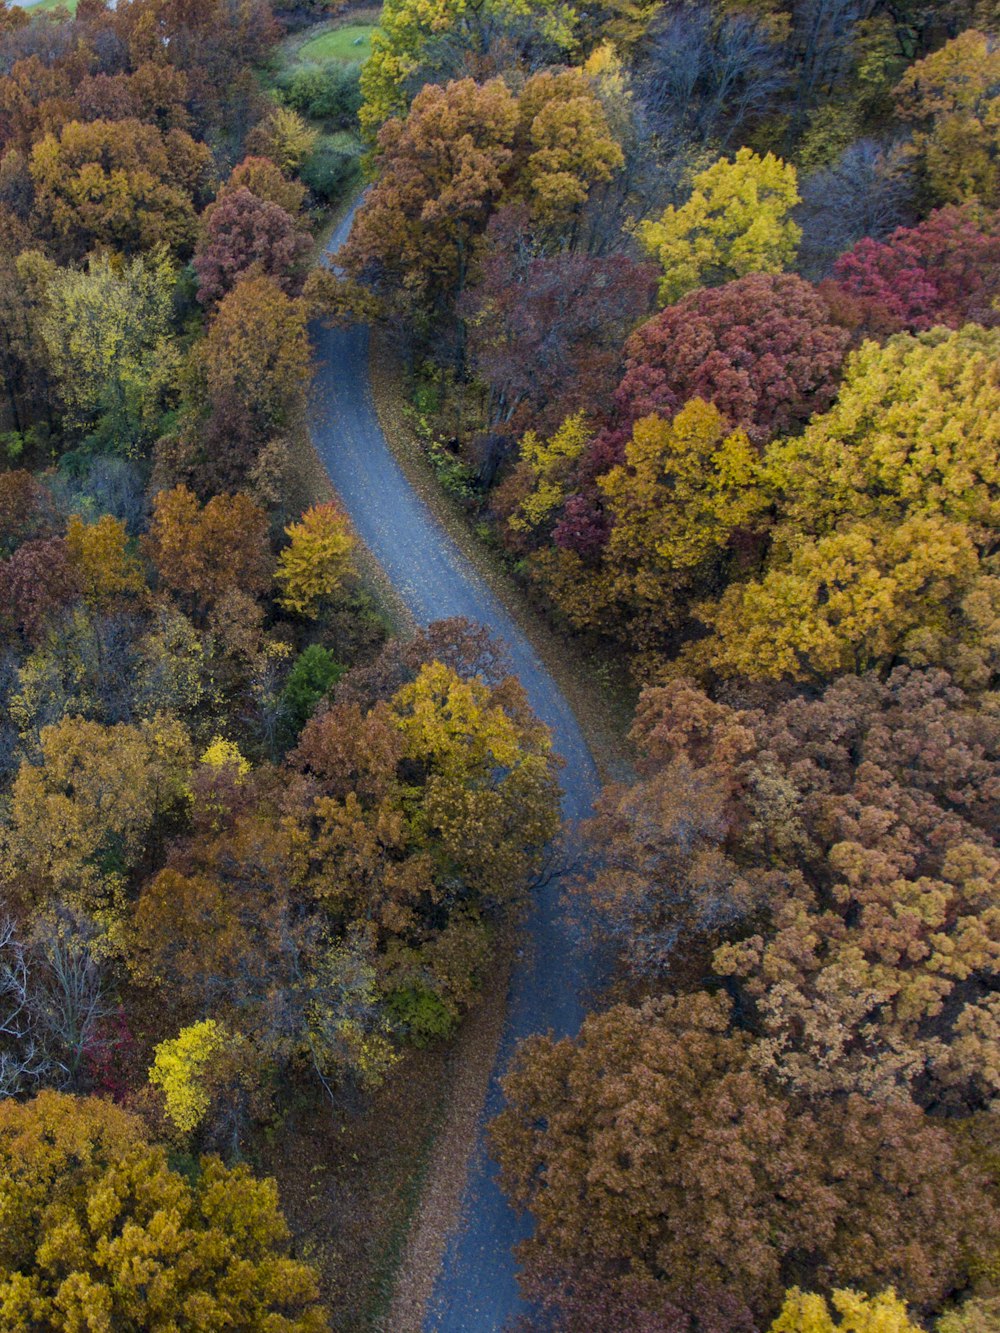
(93, 798)
(107, 334)
(179, 1067)
(549, 461)
(843, 603)
(951, 98)
(805, 1312)
(222, 754)
(737, 221)
(106, 568)
(453, 724)
(313, 567)
(286, 139)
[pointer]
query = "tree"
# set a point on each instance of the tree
(84, 812)
(648, 1151)
(804, 1312)
(38, 580)
(107, 332)
(100, 1228)
(442, 171)
(848, 601)
(462, 151)
(285, 138)
(764, 349)
(735, 222)
(317, 560)
(950, 98)
(179, 1068)
(567, 144)
(403, 45)
(256, 353)
(203, 552)
(685, 488)
(834, 859)
(106, 569)
(313, 673)
(914, 431)
(244, 232)
(120, 184)
(266, 181)
(545, 331)
(945, 270)
(27, 512)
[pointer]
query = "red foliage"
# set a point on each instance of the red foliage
(26, 510)
(546, 330)
(244, 232)
(946, 270)
(37, 580)
(763, 349)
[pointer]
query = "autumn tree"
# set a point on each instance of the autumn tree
(121, 184)
(545, 331)
(945, 270)
(837, 854)
(244, 232)
(853, 600)
(648, 1151)
(83, 813)
(462, 150)
(807, 1312)
(763, 349)
(950, 99)
(106, 568)
(313, 566)
(266, 181)
(913, 432)
(36, 582)
(735, 222)
(107, 331)
(256, 355)
(205, 551)
(86, 1197)
(412, 38)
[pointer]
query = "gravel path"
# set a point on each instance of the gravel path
(476, 1289)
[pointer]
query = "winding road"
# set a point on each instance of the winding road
(476, 1290)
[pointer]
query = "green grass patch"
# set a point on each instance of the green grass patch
(352, 42)
(53, 4)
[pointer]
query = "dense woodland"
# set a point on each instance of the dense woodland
(697, 305)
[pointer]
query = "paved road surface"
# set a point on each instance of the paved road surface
(476, 1291)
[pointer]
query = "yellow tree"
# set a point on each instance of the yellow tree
(845, 602)
(99, 1233)
(737, 221)
(806, 1312)
(952, 98)
(684, 488)
(86, 809)
(107, 332)
(915, 429)
(316, 561)
(179, 1070)
(546, 465)
(105, 567)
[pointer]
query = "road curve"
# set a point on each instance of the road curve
(476, 1290)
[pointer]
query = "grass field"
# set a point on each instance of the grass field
(52, 4)
(352, 42)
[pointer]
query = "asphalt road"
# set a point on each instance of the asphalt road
(476, 1291)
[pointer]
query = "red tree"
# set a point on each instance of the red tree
(546, 330)
(245, 232)
(946, 270)
(764, 349)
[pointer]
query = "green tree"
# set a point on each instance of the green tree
(737, 221)
(107, 331)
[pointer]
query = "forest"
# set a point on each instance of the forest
(693, 309)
